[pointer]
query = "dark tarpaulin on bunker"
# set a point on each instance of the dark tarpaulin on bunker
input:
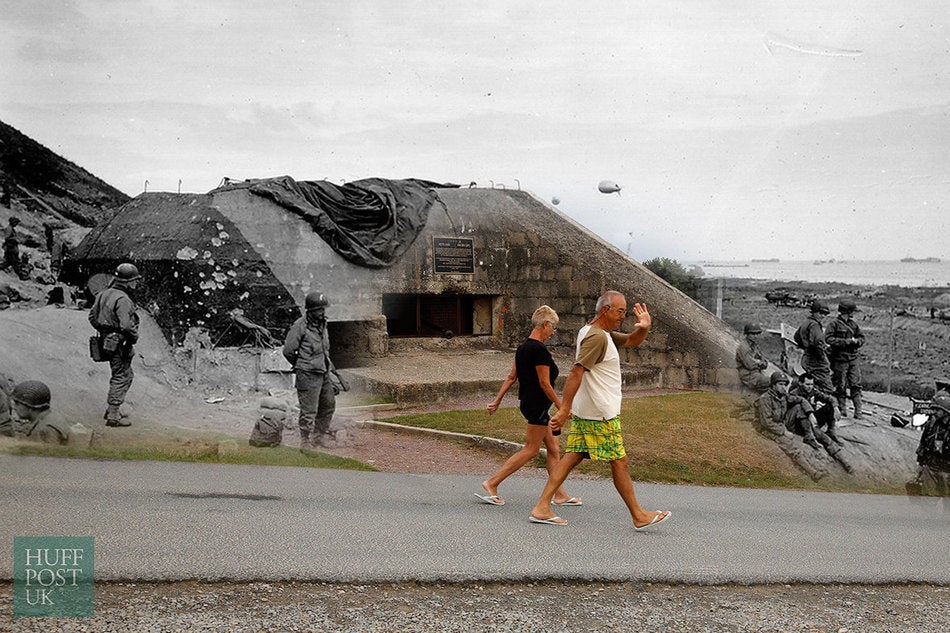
(370, 222)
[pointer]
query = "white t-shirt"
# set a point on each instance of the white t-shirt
(599, 396)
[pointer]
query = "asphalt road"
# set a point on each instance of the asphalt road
(177, 521)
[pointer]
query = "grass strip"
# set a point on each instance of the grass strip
(693, 438)
(157, 442)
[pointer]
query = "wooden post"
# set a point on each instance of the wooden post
(719, 299)
(890, 346)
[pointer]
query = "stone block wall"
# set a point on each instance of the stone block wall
(528, 254)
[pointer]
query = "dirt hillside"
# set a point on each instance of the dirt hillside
(51, 344)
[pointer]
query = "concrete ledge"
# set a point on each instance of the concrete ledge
(479, 441)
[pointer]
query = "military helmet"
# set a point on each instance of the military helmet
(942, 402)
(32, 393)
(315, 300)
(777, 377)
(818, 306)
(751, 328)
(127, 272)
(847, 306)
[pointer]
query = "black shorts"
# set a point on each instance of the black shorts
(537, 414)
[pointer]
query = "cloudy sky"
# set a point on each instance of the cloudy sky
(736, 129)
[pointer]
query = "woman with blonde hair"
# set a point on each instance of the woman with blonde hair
(535, 372)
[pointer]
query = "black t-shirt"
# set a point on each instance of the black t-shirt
(530, 354)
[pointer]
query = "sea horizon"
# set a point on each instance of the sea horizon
(919, 273)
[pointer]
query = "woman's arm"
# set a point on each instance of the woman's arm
(544, 378)
(505, 386)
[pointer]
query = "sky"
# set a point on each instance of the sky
(736, 129)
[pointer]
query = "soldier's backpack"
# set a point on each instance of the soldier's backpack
(798, 337)
(269, 429)
(267, 432)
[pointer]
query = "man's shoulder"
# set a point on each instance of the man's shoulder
(591, 331)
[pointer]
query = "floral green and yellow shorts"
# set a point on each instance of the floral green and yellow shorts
(597, 439)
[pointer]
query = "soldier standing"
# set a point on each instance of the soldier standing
(11, 249)
(844, 339)
(933, 451)
(114, 316)
(810, 336)
(307, 349)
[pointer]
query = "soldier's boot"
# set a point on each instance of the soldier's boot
(114, 418)
(858, 407)
(838, 455)
(843, 406)
(834, 436)
(811, 441)
(305, 445)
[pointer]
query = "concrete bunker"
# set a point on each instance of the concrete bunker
(480, 262)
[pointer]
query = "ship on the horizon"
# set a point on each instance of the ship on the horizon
(771, 260)
(923, 260)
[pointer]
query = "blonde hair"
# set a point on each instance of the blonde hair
(543, 315)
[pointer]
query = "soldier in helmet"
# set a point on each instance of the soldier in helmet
(11, 249)
(778, 412)
(750, 362)
(933, 452)
(31, 400)
(114, 316)
(307, 349)
(844, 339)
(810, 336)
(6, 408)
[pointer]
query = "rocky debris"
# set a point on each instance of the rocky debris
(80, 435)
(872, 450)
(498, 607)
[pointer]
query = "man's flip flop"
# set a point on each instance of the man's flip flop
(551, 521)
(495, 500)
(573, 501)
(657, 519)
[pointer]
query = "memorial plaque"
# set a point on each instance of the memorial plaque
(454, 255)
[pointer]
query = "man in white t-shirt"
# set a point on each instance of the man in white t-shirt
(593, 396)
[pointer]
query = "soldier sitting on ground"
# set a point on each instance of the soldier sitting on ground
(823, 404)
(750, 363)
(31, 404)
(777, 412)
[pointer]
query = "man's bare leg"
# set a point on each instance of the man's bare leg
(542, 509)
(624, 485)
(554, 456)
